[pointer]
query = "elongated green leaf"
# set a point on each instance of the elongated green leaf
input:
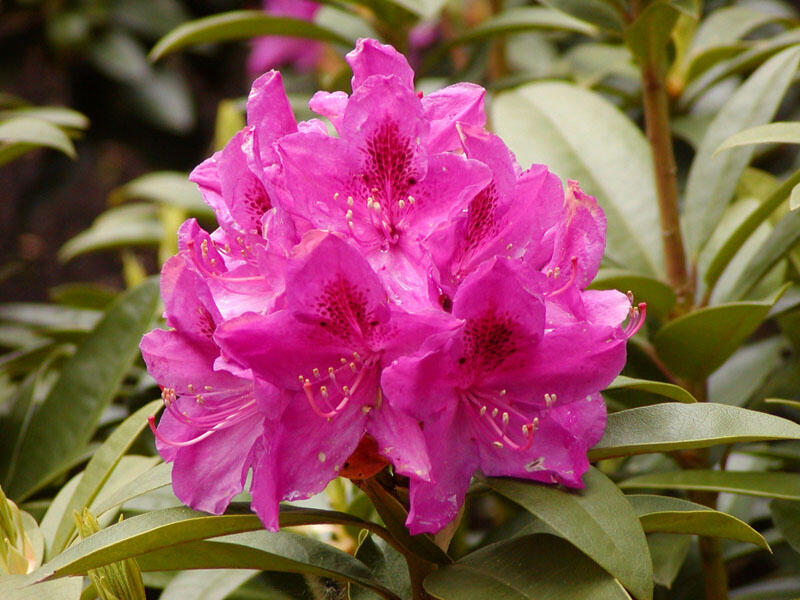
(50, 317)
(387, 566)
(794, 198)
(659, 296)
(164, 187)
(785, 486)
(597, 520)
(551, 123)
(669, 551)
(57, 115)
(29, 130)
(171, 539)
(783, 238)
(523, 18)
(239, 25)
(665, 427)
(786, 515)
(712, 179)
(157, 477)
(736, 240)
(213, 584)
(667, 390)
(601, 13)
(64, 589)
(525, 568)
(66, 420)
(14, 425)
(98, 470)
(647, 37)
(662, 514)
(779, 133)
(116, 228)
(696, 344)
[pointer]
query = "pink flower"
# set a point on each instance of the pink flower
(402, 288)
(273, 51)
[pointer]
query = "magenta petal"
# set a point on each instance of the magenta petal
(445, 108)
(401, 440)
(189, 306)
(330, 105)
(269, 112)
(370, 57)
(303, 452)
(453, 460)
(242, 190)
(208, 474)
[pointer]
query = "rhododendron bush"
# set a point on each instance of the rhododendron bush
(464, 300)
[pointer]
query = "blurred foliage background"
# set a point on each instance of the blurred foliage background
(95, 143)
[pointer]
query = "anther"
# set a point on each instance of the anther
(357, 356)
(321, 457)
(353, 367)
(323, 391)
(503, 392)
(315, 371)
(208, 388)
(336, 195)
(190, 387)
(483, 410)
(401, 204)
(411, 200)
(495, 410)
(349, 201)
(365, 409)
(497, 444)
(505, 419)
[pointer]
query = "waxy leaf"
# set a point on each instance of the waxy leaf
(667, 390)
(659, 296)
(597, 520)
(96, 473)
(783, 238)
(786, 515)
(697, 344)
(551, 122)
(164, 187)
(666, 427)
(778, 132)
(764, 484)
(602, 13)
(157, 477)
(535, 567)
(16, 587)
(669, 551)
(522, 18)
(212, 584)
(35, 131)
(662, 514)
(57, 115)
(239, 25)
(737, 239)
(66, 419)
(712, 179)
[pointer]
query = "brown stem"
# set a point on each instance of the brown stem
(656, 113)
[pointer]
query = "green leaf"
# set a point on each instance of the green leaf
(602, 13)
(783, 238)
(128, 225)
(57, 115)
(97, 472)
(29, 130)
(165, 100)
(648, 36)
(597, 520)
(212, 584)
(239, 25)
(158, 477)
(50, 317)
(785, 486)
(64, 589)
(669, 551)
(698, 343)
(786, 515)
(387, 566)
(120, 55)
(671, 426)
(794, 198)
(519, 19)
(738, 238)
(553, 123)
(659, 296)
(533, 567)
(746, 371)
(171, 539)
(14, 424)
(712, 180)
(164, 187)
(667, 390)
(662, 514)
(66, 419)
(780, 132)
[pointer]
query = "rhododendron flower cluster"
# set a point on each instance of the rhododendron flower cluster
(403, 282)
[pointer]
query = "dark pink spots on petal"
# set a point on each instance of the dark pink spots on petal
(388, 171)
(205, 323)
(254, 201)
(489, 341)
(481, 217)
(343, 312)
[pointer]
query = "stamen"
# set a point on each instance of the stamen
(572, 276)
(636, 320)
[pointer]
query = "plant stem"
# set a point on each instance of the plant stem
(656, 113)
